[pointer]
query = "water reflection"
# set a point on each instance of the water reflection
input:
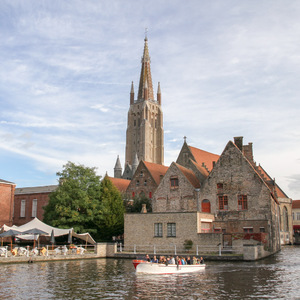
(272, 278)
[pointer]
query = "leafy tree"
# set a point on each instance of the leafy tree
(137, 203)
(77, 201)
(112, 211)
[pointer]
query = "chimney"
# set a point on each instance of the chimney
(238, 140)
(144, 209)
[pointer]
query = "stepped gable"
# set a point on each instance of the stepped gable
(156, 170)
(190, 175)
(266, 177)
(204, 158)
(296, 204)
(201, 169)
(119, 183)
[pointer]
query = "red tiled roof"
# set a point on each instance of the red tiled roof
(119, 183)
(190, 175)
(205, 157)
(156, 170)
(201, 169)
(296, 204)
(266, 176)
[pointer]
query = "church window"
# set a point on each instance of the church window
(134, 123)
(223, 202)
(174, 182)
(139, 122)
(242, 202)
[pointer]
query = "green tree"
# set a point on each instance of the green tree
(112, 210)
(137, 203)
(77, 201)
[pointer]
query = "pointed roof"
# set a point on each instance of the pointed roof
(156, 170)
(204, 158)
(145, 75)
(119, 183)
(190, 175)
(118, 164)
(135, 161)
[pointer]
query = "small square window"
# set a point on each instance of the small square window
(174, 182)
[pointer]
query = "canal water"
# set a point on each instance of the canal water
(276, 277)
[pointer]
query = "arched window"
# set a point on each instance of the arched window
(205, 206)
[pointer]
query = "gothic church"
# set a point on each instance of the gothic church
(145, 134)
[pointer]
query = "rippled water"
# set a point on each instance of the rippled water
(277, 277)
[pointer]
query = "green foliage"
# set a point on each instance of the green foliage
(112, 211)
(188, 244)
(85, 203)
(137, 203)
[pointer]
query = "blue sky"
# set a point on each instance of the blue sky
(226, 68)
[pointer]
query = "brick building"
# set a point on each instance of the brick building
(296, 220)
(213, 198)
(29, 203)
(146, 179)
(7, 190)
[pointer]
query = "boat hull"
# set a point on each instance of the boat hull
(152, 268)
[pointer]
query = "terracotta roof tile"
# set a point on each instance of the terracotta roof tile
(156, 170)
(119, 183)
(190, 175)
(266, 176)
(205, 157)
(296, 204)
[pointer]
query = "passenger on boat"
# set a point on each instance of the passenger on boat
(147, 258)
(188, 260)
(154, 260)
(172, 260)
(162, 260)
(201, 260)
(194, 260)
(183, 261)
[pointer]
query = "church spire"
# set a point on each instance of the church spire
(145, 75)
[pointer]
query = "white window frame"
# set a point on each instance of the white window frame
(34, 208)
(171, 229)
(158, 229)
(23, 208)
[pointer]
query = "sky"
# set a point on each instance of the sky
(226, 68)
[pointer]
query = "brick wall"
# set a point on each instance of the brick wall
(6, 203)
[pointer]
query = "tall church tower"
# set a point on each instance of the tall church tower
(145, 134)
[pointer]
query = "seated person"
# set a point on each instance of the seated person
(154, 260)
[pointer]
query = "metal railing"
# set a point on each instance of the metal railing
(176, 249)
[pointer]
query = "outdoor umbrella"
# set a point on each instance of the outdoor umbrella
(35, 231)
(11, 233)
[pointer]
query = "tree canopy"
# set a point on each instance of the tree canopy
(85, 203)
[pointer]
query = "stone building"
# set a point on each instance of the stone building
(213, 199)
(146, 179)
(145, 134)
(29, 203)
(296, 221)
(7, 190)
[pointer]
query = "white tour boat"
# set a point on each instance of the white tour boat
(142, 266)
